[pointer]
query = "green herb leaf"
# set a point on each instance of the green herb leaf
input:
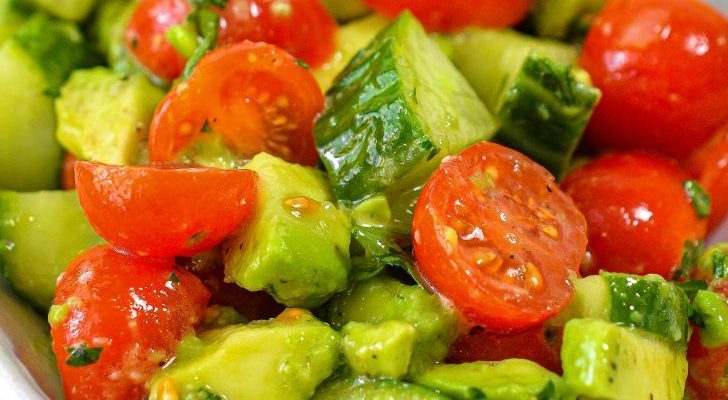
(213, 3)
(689, 261)
(380, 251)
(548, 392)
(173, 278)
(206, 127)
(698, 198)
(691, 287)
(81, 356)
(303, 64)
(720, 265)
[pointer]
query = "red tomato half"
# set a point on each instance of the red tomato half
(439, 15)
(254, 95)
(495, 235)
(164, 212)
(709, 165)
(637, 212)
(662, 66)
(124, 318)
(706, 378)
(146, 38)
(301, 27)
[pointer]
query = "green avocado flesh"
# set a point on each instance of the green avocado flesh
(379, 350)
(365, 388)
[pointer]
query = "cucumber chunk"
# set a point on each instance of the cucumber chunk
(104, 116)
(602, 360)
(365, 388)
(296, 247)
(40, 233)
(72, 10)
(394, 113)
(12, 15)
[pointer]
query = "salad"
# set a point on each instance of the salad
(369, 199)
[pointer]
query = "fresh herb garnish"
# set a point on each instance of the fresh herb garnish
(206, 127)
(173, 278)
(698, 198)
(720, 264)
(303, 64)
(81, 356)
(691, 254)
(547, 393)
(691, 287)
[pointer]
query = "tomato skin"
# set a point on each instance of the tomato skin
(637, 212)
(709, 164)
(445, 16)
(68, 177)
(706, 377)
(253, 94)
(485, 229)
(134, 309)
(640, 53)
(301, 27)
(163, 212)
(145, 36)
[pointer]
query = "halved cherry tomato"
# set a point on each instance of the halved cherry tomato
(707, 379)
(254, 95)
(145, 36)
(68, 174)
(661, 66)
(164, 212)
(495, 235)
(301, 27)
(709, 165)
(637, 211)
(443, 16)
(117, 320)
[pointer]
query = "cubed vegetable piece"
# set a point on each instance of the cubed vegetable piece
(12, 15)
(711, 314)
(564, 18)
(393, 114)
(379, 350)
(712, 264)
(73, 10)
(384, 299)
(296, 247)
(34, 63)
(602, 360)
(108, 29)
(344, 10)
(40, 233)
(359, 388)
(104, 116)
(502, 380)
(542, 103)
(283, 359)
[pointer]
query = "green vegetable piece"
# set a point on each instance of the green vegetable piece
(296, 247)
(393, 114)
(81, 356)
(379, 350)
(104, 116)
(698, 198)
(108, 27)
(383, 298)
(207, 21)
(592, 299)
(285, 358)
(689, 261)
(692, 287)
(12, 15)
(711, 312)
(217, 317)
(72, 10)
(502, 380)
(52, 221)
(364, 388)
(183, 38)
(563, 18)
(713, 263)
(344, 10)
(602, 360)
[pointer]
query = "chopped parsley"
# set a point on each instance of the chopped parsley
(698, 198)
(691, 287)
(81, 356)
(691, 253)
(303, 64)
(173, 278)
(720, 264)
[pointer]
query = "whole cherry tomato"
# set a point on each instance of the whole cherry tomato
(68, 174)
(162, 212)
(709, 164)
(486, 229)
(661, 66)
(637, 211)
(116, 320)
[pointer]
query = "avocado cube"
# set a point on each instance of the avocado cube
(296, 247)
(379, 350)
(365, 388)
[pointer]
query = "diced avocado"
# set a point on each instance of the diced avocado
(12, 15)
(501, 380)
(108, 29)
(40, 233)
(364, 388)
(543, 104)
(344, 10)
(283, 359)
(350, 38)
(379, 350)
(383, 298)
(34, 62)
(713, 263)
(393, 114)
(217, 317)
(602, 360)
(296, 247)
(73, 10)
(104, 116)
(711, 315)
(562, 18)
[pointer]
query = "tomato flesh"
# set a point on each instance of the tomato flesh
(163, 212)
(132, 312)
(640, 53)
(68, 174)
(495, 235)
(254, 95)
(709, 164)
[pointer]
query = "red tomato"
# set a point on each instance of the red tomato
(494, 234)
(637, 212)
(68, 178)
(540, 344)
(164, 212)
(301, 27)
(126, 316)
(438, 15)
(253, 94)
(709, 165)
(145, 36)
(706, 377)
(662, 67)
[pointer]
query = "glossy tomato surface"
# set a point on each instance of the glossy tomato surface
(706, 378)
(116, 320)
(662, 66)
(164, 212)
(709, 164)
(638, 213)
(254, 95)
(495, 235)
